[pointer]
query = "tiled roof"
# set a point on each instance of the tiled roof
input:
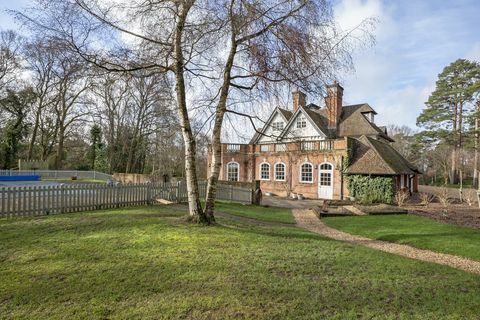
(372, 156)
(287, 114)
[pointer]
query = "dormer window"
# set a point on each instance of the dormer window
(301, 122)
(369, 116)
(278, 126)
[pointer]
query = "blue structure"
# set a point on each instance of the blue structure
(20, 178)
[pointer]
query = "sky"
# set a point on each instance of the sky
(415, 40)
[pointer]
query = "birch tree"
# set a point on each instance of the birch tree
(215, 49)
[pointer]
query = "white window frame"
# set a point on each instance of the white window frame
(325, 171)
(264, 148)
(278, 125)
(301, 121)
(300, 178)
(283, 149)
(284, 171)
(261, 171)
(228, 171)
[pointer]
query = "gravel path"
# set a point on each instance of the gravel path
(306, 219)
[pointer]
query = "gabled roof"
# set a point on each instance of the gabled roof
(372, 156)
(312, 116)
(287, 114)
(354, 124)
(284, 113)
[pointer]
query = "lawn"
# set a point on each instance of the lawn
(271, 214)
(413, 230)
(148, 263)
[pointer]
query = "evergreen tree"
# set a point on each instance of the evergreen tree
(443, 117)
(15, 105)
(95, 145)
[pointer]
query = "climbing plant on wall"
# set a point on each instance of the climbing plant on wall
(368, 189)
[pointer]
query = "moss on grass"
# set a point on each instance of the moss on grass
(147, 263)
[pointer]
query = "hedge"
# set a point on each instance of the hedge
(368, 189)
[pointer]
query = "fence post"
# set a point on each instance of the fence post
(177, 196)
(149, 194)
(117, 204)
(62, 198)
(231, 193)
(94, 175)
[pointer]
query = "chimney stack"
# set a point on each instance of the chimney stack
(299, 100)
(333, 103)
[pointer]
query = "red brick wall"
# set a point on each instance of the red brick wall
(293, 162)
(250, 157)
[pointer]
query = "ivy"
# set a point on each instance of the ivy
(346, 160)
(369, 189)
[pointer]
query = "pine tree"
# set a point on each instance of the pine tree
(443, 117)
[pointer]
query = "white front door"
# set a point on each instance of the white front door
(325, 181)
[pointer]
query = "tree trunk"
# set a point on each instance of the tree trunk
(195, 208)
(453, 167)
(475, 161)
(217, 131)
(59, 155)
(34, 134)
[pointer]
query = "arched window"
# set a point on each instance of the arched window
(233, 170)
(264, 171)
(280, 171)
(326, 170)
(306, 173)
(326, 166)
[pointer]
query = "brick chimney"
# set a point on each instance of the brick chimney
(299, 100)
(333, 103)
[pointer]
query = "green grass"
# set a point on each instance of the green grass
(147, 263)
(413, 230)
(270, 214)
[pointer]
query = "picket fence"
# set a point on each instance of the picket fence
(59, 174)
(44, 200)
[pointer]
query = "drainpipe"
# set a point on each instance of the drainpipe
(341, 179)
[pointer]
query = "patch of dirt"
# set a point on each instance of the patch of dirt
(381, 209)
(457, 214)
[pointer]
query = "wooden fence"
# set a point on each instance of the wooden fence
(59, 174)
(44, 200)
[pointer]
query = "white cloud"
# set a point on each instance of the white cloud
(415, 41)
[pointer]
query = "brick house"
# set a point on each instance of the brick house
(309, 150)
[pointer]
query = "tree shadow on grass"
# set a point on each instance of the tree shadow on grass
(271, 231)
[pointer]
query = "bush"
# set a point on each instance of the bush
(370, 190)
(426, 199)
(401, 197)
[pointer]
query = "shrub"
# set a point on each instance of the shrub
(401, 197)
(444, 199)
(470, 197)
(426, 199)
(371, 189)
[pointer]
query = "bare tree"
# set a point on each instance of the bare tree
(40, 58)
(210, 49)
(69, 106)
(9, 57)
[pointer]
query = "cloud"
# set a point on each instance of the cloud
(415, 41)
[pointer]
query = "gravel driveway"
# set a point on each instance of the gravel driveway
(306, 219)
